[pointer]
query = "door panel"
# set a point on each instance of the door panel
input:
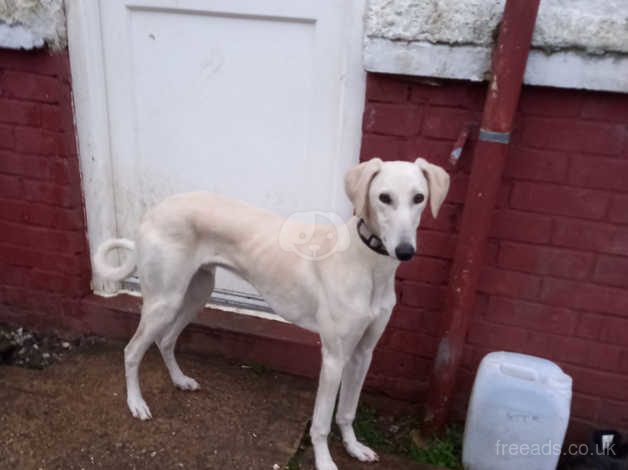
(244, 98)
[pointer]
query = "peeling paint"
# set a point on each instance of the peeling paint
(28, 24)
(443, 355)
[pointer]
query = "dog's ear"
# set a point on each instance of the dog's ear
(357, 182)
(438, 181)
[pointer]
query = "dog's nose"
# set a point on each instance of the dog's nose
(404, 251)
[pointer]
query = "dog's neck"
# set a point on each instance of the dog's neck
(384, 265)
(370, 239)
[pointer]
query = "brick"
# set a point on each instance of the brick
(560, 200)
(590, 326)
(618, 211)
(492, 253)
(573, 135)
(613, 414)
(537, 165)
(421, 93)
(59, 283)
(406, 318)
(392, 119)
(545, 260)
(538, 344)
(30, 86)
(417, 294)
(587, 353)
(31, 166)
(597, 383)
(18, 256)
(454, 95)
(611, 270)
(606, 107)
(51, 117)
(50, 193)
(531, 316)
(585, 406)
(20, 112)
(509, 283)
(384, 147)
(41, 215)
(445, 123)
(37, 141)
(437, 244)
(554, 102)
(39, 61)
(591, 236)
(598, 172)
(386, 88)
(410, 390)
(432, 322)
(32, 299)
(422, 268)
(497, 336)
(584, 296)
(15, 276)
(521, 226)
(413, 343)
(614, 330)
(11, 187)
(447, 219)
(398, 364)
(43, 239)
(7, 137)
(436, 151)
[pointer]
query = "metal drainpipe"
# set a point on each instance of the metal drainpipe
(509, 63)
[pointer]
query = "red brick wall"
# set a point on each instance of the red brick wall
(555, 282)
(556, 276)
(44, 265)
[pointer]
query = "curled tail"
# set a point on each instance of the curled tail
(115, 273)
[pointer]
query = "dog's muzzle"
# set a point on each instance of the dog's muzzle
(404, 251)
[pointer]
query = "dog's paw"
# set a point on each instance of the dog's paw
(361, 452)
(139, 408)
(326, 464)
(186, 383)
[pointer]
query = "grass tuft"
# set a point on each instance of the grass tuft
(444, 451)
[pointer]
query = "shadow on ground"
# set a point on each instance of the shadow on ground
(73, 415)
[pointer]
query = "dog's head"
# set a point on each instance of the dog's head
(391, 196)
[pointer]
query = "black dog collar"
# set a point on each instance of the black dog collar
(370, 239)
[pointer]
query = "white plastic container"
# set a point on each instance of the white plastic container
(517, 415)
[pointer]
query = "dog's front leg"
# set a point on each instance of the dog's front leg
(352, 380)
(329, 382)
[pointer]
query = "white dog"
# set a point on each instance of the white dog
(346, 297)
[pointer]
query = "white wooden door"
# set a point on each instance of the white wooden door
(260, 100)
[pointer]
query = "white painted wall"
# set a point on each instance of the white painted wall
(576, 43)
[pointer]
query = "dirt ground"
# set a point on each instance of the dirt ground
(73, 415)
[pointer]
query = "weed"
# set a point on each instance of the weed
(445, 451)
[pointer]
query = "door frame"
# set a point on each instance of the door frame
(89, 90)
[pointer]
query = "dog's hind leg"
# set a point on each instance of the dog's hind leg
(196, 296)
(163, 299)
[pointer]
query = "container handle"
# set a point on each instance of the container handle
(523, 373)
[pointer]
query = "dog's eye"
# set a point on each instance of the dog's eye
(418, 198)
(385, 198)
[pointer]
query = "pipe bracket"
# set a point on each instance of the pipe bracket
(491, 136)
